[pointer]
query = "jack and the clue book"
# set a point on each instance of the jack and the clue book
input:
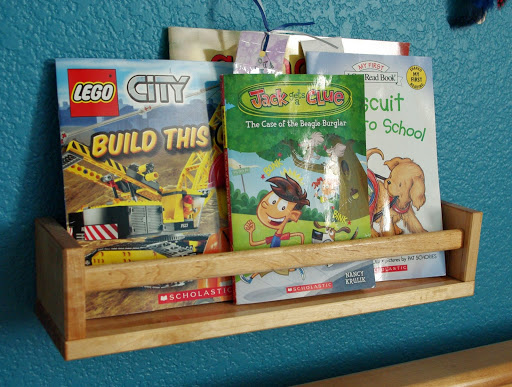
(295, 161)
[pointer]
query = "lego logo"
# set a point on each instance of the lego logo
(93, 92)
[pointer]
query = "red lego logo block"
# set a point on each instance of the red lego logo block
(93, 93)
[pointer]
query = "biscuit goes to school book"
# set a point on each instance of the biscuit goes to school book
(139, 156)
(401, 151)
(295, 147)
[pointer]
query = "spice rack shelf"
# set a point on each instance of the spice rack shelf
(63, 281)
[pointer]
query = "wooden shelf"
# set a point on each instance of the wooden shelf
(63, 281)
(489, 365)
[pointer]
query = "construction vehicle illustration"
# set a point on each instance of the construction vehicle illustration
(164, 246)
(139, 206)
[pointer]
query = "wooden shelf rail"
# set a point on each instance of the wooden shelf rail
(63, 282)
(489, 365)
(132, 274)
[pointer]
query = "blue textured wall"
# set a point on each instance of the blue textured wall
(472, 85)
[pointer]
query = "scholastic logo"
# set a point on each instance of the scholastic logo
(93, 93)
(308, 288)
(196, 294)
(389, 269)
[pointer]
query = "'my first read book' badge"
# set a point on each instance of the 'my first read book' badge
(295, 147)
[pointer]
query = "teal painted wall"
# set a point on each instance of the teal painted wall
(472, 68)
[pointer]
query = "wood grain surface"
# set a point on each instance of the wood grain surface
(126, 333)
(490, 365)
(132, 274)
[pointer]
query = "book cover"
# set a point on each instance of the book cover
(139, 166)
(355, 46)
(205, 44)
(401, 151)
(295, 146)
(202, 44)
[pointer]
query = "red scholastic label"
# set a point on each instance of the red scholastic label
(389, 269)
(196, 294)
(93, 93)
(308, 288)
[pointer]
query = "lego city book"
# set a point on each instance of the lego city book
(295, 146)
(401, 151)
(140, 167)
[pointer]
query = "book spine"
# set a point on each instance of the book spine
(226, 164)
(226, 169)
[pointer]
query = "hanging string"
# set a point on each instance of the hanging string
(281, 27)
(279, 30)
(286, 25)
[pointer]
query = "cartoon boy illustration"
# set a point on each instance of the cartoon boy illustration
(281, 205)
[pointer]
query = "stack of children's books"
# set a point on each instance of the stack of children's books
(274, 143)
(167, 158)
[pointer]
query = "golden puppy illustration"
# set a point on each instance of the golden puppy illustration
(397, 194)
